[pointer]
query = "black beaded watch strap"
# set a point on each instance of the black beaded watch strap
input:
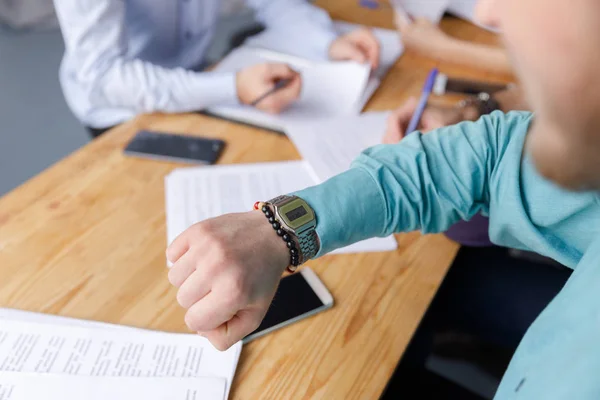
(295, 255)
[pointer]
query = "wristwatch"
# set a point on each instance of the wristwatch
(298, 219)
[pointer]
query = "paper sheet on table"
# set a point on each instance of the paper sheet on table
(30, 316)
(391, 50)
(27, 386)
(328, 88)
(391, 46)
(195, 194)
(91, 350)
(330, 145)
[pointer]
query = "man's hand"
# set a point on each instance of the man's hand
(360, 45)
(254, 81)
(227, 270)
(434, 117)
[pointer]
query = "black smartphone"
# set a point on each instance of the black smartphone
(299, 296)
(172, 147)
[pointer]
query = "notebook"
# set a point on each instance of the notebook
(328, 88)
(391, 50)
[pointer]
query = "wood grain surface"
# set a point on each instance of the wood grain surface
(86, 239)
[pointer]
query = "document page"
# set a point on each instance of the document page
(391, 46)
(391, 50)
(30, 316)
(330, 145)
(90, 351)
(27, 386)
(195, 194)
(328, 88)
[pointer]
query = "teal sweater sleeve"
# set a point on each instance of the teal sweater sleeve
(425, 182)
(430, 181)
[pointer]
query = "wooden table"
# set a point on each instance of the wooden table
(86, 239)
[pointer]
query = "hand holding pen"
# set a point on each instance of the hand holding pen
(269, 87)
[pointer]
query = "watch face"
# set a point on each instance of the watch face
(295, 214)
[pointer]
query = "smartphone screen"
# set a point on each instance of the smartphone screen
(170, 147)
(295, 299)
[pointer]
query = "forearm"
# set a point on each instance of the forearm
(425, 182)
(488, 58)
(144, 88)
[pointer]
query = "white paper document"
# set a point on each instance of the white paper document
(391, 50)
(195, 194)
(330, 145)
(32, 347)
(30, 316)
(27, 386)
(328, 88)
(391, 46)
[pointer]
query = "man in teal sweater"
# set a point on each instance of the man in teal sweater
(537, 177)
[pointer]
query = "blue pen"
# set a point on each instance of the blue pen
(416, 118)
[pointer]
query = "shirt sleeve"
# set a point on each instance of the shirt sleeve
(426, 182)
(95, 39)
(307, 25)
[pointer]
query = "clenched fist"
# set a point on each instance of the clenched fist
(227, 270)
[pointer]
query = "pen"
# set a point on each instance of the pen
(280, 84)
(416, 118)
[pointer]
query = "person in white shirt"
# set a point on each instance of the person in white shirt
(124, 58)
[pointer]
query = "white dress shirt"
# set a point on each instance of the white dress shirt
(126, 57)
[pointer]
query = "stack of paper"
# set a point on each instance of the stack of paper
(329, 88)
(391, 50)
(49, 357)
(391, 46)
(195, 194)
